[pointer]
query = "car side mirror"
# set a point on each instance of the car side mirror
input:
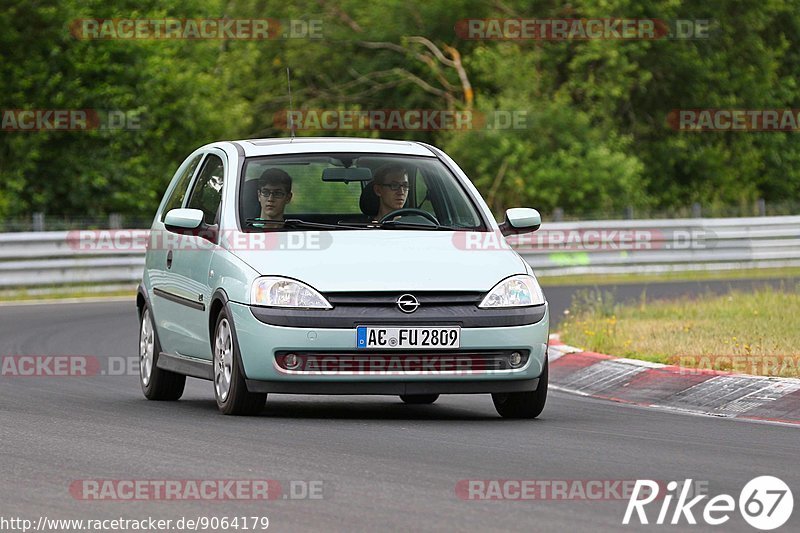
(520, 220)
(181, 220)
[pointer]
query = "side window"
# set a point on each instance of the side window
(207, 192)
(177, 195)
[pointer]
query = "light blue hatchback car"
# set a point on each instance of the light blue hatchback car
(338, 266)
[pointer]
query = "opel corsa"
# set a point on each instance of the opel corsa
(338, 266)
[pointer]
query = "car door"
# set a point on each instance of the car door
(157, 274)
(186, 293)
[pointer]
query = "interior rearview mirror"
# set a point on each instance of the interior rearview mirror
(346, 174)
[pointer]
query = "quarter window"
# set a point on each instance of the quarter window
(177, 195)
(207, 193)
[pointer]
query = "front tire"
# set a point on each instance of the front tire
(419, 399)
(230, 389)
(527, 404)
(157, 384)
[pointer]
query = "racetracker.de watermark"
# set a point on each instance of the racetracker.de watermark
(554, 489)
(588, 239)
(38, 120)
(739, 120)
(400, 120)
(124, 490)
(391, 365)
(786, 366)
(124, 240)
(80, 366)
(195, 29)
(577, 239)
(584, 29)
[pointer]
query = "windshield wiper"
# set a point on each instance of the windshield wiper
(399, 224)
(290, 223)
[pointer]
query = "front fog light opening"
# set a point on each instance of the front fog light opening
(515, 359)
(291, 361)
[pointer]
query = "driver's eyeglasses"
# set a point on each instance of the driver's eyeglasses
(266, 193)
(396, 186)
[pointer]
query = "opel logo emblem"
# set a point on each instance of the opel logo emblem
(407, 303)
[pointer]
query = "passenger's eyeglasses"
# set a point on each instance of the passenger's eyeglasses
(266, 193)
(396, 186)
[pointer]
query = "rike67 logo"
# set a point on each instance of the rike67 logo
(765, 503)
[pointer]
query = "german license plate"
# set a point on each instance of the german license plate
(411, 338)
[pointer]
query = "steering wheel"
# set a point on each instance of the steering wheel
(409, 211)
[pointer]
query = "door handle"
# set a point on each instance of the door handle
(169, 259)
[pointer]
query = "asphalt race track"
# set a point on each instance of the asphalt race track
(383, 465)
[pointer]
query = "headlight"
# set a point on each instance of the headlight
(283, 292)
(517, 291)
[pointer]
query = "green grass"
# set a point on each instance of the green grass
(64, 292)
(702, 275)
(753, 333)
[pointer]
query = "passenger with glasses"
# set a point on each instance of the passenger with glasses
(391, 187)
(274, 192)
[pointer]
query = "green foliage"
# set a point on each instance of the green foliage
(171, 86)
(595, 136)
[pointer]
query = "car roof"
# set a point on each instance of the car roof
(300, 145)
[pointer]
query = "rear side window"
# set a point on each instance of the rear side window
(207, 193)
(177, 195)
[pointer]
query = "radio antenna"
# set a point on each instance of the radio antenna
(291, 111)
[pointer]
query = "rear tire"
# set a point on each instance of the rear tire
(230, 389)
(157, 384)
(527, 404)
(419, 399)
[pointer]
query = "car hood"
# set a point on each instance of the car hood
(382, 260)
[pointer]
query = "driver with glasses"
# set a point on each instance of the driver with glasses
(391, 188)
(274, 192)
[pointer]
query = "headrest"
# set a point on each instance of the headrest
(369, 201)
(249, 205)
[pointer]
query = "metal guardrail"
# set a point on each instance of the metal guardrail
(657, 246)
(55, 258)
(558, 248)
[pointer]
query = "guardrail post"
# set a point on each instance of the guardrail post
(38, 221)
(697, 210)
(558, 214)
(114, 221)
(628, 215)
(762, 207)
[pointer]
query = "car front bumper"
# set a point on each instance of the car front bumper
(260, 345)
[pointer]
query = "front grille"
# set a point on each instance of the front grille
(394, 363)
(390, 298)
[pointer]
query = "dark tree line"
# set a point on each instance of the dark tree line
(596, 135)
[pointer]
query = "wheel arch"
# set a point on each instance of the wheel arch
(141, 300)
(219, 301)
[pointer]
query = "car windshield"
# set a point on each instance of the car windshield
(353, 191)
